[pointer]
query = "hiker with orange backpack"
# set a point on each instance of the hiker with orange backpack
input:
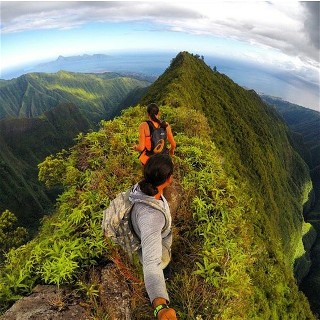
(153, 135)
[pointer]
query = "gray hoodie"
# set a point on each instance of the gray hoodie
(153, 226)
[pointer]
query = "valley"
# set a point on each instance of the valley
(41, 114)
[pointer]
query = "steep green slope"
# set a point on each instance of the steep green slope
(238, 225)
(251, 137)
(305, 124)
(26, 142)
(97, 95)
(303, 121)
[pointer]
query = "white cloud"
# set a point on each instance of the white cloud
(288, 27)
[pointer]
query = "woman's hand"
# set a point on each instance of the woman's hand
(167, 314)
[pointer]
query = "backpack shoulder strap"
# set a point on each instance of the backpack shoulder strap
(151, 126)
(157, 207)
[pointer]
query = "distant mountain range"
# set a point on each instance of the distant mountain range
(54, 102)
(248, 74)
(151, 64)
(96, 95)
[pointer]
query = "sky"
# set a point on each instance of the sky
(282, 36)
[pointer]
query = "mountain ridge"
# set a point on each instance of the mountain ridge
(98, 95)
(239, 226)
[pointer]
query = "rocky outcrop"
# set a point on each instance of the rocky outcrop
(114, 294)
(47, 302)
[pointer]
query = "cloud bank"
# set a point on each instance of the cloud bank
(290, 27)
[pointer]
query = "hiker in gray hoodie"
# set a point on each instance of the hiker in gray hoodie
(152, 224)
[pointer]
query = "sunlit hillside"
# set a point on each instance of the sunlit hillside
(97, 95)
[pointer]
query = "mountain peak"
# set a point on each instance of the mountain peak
(61, 58)
(183, 81)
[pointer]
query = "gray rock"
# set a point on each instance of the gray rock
(46, 302)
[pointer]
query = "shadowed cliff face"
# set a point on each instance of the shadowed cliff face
(305, 137)
(25, 143)
(305, 123)
(310, 285)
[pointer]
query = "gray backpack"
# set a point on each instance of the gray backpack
(116, 222)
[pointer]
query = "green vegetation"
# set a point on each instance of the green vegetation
(305, 137)
(238, 227)
(305, 123)
(24, 143)
(98, 96)
(42, 114)
(253, 141)
(223, 270)
(11, 236)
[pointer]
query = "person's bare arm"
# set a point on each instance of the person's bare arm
(171, 140)
(143, 128)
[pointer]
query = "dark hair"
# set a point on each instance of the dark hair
(156, 171)
(153, 110)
